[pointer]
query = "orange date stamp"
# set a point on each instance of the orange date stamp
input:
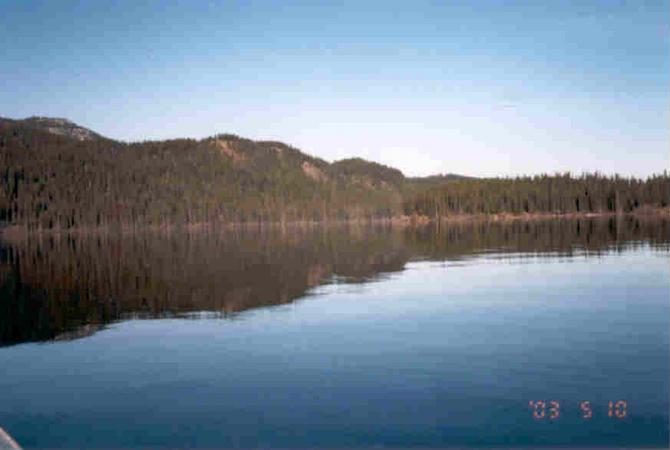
(551, 409)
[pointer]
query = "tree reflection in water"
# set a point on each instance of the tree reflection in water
(67, 287)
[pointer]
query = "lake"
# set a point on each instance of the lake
(521, 334)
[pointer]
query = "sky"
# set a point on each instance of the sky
(482, 88)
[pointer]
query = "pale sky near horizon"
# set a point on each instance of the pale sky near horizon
(477, 88)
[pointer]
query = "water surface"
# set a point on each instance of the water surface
(481, 335)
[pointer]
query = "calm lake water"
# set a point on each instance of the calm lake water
(552, 333)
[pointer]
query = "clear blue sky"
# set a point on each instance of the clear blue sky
(479, 88)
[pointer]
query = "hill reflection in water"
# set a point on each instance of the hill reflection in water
(68, 287)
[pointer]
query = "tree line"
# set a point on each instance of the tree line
(560, 194)
(65, 181)
(50, 181)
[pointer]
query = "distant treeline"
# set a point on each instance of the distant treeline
(562, 194)
(56, 175)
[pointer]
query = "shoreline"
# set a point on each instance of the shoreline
(12, 232)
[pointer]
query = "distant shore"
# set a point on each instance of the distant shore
(510, 217)
(11, 232)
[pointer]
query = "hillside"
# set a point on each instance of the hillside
(59, 126)
(55, 174)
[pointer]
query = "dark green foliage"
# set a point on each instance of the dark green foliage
(561, 194)
(57, 175)
(382, 175)
(53, 180)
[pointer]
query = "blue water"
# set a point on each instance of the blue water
(439, 354)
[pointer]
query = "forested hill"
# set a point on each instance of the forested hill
(55, 174)
(58, 175)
